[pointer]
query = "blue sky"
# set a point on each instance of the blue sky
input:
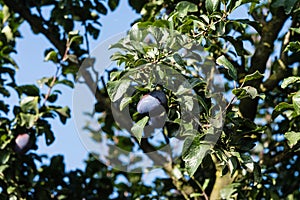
(30, 57)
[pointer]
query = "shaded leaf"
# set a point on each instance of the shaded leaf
(232, 164)
(113, 4)
(255, 24)
(29, 90)
(293, 46)
(101, 8)
(63, 113)
(66, 82)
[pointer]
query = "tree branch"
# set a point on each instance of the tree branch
(248, 107)
(37, 24)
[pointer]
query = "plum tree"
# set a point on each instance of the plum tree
(257, 154)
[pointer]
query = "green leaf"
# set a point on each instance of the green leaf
(43, 127)
(73, 33)
(8, 33)
(296, 102)
(124, 102)
(4, 91)
(280, 108)
(52, 56)
(4, 107)
(256, 25)
(292, 138)
(257, 174)
(66, 82)
(138, 128)
(255, 75)
(178, 59)
(3, 167)
(193, 154)
(211, 5)
(116, 89)
(238, 45)
(72, 58)
(28, 119)
(29, 103)
(296, 30)
(245, 92)
(124, 143)
(101, 8)
(5, 13)
(184, 7)
(44, 81)
(235, 4)
(63, 113)
(290, 80)
(113, 4)
(49, 136)
(231, 69)
(232, 164)
(293, 47)
(4, 157)
(287, 4)
(228, 190)
(77, 39)
(29, 90)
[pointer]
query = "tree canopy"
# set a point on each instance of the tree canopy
(232, 99)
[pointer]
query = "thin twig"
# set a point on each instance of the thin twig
(51, 85)
(201, 188)
(86, 39)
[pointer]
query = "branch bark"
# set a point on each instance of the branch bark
(248, 107)
(221, 181)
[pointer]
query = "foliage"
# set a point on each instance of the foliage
(257, 154)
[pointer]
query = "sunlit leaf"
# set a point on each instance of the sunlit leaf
(280, 108)
(138, 128)
(245, 92)
(292, 138)
(124, 102)
(52, 56)
(194, 152)
(290, 80)
(29, 103)
(184, 7)
(255, 75)
(211, 5)
(116, 89)
(296, 102)
(231, 69)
